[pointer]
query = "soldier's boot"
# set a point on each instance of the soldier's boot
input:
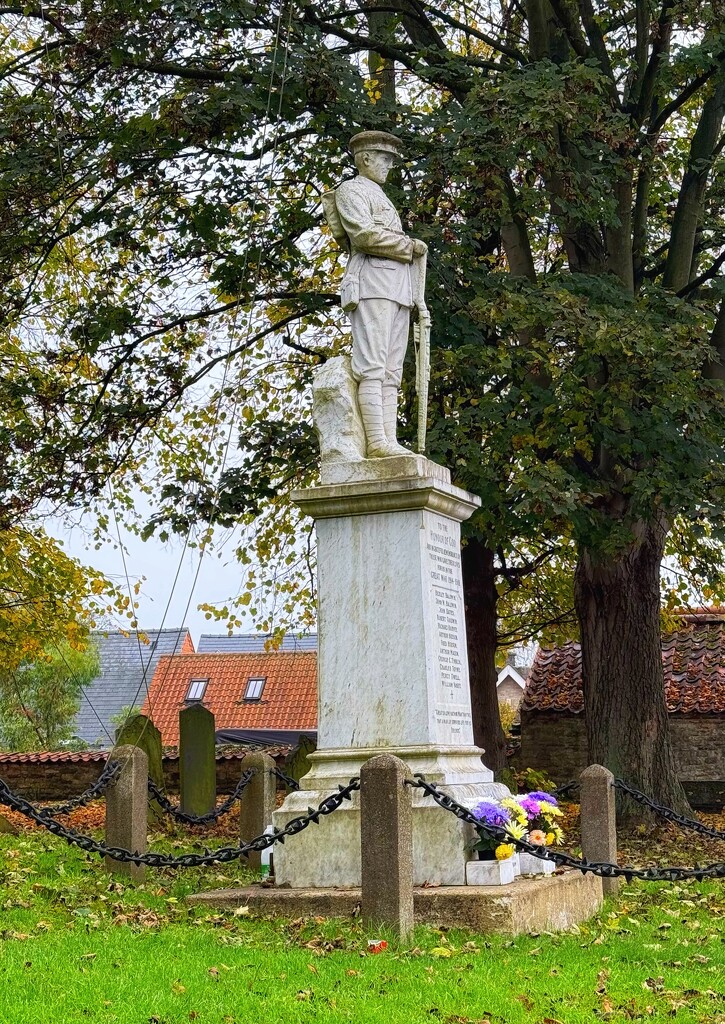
(390, 417)
(370, 400)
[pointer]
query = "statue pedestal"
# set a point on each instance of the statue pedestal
(392, 666)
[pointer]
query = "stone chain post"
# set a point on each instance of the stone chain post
(258, 801)
(127, 810)
(599, 821)
(386, 845)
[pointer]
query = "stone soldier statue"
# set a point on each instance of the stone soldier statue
(377, 291)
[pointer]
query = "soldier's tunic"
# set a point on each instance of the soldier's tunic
(376, 290)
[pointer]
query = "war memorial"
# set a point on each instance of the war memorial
(392, 663)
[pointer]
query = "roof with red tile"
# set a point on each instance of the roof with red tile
(693, 659)
(54, 756)
(289, 697)
(88, 756)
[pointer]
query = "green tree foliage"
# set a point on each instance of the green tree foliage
(47, 597)
(163, 226)
(39, 700)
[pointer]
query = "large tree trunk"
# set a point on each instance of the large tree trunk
(617, 602)
(479, 588)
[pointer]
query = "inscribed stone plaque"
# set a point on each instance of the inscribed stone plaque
(448, 627)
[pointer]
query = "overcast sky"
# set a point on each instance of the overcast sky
(219, 577)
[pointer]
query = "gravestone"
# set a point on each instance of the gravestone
(197, 760)
(139, 731)
(297, 763)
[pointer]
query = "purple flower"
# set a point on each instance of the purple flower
(492, 814)
(546, 797)
(531, 806)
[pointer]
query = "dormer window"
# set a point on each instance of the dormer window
(255, 686)
(196, 691)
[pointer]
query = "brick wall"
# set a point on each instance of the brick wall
(61, 780)
(556, 743)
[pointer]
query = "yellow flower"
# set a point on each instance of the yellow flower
(504, 851)
(516, 809)
(516, 829)
(550, 837)
(549, 811)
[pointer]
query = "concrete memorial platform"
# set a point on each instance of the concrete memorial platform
(545, 904)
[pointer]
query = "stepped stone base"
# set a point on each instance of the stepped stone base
(553, 903)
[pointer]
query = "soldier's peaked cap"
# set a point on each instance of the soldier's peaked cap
(381, 141)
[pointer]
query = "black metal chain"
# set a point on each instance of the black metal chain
(667, 813)
(566, 788)
(187, 860)
(201, 819)
(604, 870)
(93, 792)
(289, 782)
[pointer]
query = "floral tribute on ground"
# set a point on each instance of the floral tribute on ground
(531, 816)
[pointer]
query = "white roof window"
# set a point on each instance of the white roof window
(196, 691)
(255, 686)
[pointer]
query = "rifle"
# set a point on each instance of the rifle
(421, 341)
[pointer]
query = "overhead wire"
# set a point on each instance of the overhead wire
(227, 361)
(73, 277)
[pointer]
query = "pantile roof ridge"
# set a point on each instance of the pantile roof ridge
(693, 660)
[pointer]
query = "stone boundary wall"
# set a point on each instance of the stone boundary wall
(61, 780)
(555, 742)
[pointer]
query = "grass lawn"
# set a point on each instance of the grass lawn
(77, 945)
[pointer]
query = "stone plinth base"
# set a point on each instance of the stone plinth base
(329, 853)
(554, 903)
